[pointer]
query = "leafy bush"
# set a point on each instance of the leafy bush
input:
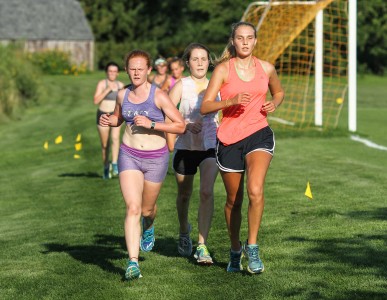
(55, 62)
(19, 81)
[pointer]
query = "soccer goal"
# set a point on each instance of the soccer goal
(308, 42)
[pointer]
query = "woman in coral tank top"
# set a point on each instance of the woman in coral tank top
(245, 141)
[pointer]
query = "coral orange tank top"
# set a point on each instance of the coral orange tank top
(239, 121)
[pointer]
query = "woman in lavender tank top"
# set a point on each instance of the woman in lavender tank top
(143, 157)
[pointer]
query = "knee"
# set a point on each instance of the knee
(255, 193)
(206, 194)
(104, 146)
(184, 197)
(133, 210)
(233, 203)
(147, 212)
(115, 140)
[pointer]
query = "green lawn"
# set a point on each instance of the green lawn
(62, 225)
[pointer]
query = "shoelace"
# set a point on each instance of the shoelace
(253, 253)
(147, 234)
(205, 250)
(235, 259)
(184, 240)
(133, 264)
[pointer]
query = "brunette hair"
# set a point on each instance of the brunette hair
(172, 60)
(188, 51)
(109, 64)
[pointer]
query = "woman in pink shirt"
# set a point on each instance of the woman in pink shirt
(245, 141)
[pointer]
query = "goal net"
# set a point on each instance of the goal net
(307, 43)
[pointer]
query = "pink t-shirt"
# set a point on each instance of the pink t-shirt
(238, 121)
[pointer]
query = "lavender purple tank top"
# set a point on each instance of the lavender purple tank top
(147, 108)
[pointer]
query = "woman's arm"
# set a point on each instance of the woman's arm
(100, 92)
(175, 95)
(275, 88)
(164, 103)
(116, 118)
(209, 103)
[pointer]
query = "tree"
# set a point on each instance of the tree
(372, 33)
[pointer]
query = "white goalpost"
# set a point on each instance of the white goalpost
(352, 66)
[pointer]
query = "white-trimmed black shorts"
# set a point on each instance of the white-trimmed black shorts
(231, 158)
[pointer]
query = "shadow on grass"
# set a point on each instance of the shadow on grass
(379, 213)
(357, 254)
(85, 174)
(167, 246)
(105, 250)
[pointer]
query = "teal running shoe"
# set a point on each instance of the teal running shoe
(235, 264)
(147, 240)
(133, 271)
(202, 255)
(184, 246)
(251, 252)
(114, 169)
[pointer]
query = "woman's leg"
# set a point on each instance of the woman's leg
(257, 164)
(149, 197)
(233, 183)
(104, 137)
(208, 173)
(132, 188)
(115, 136)
(184, 192)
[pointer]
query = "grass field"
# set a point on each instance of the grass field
(62, 225)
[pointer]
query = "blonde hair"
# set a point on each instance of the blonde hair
(230, 52)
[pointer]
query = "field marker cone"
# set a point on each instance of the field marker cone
(308, 191)
(78, 146)
(45, 146)
(59, 139)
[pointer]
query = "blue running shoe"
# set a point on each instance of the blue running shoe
(251, 252)
(235, 264)
(114, 169)
(185, 243)
(147, 240)
(133, 271)
(106, 173)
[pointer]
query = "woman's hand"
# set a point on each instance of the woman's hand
(104, 120)
(241, 98)
(269, 107)
(142, 121)
(194, 127)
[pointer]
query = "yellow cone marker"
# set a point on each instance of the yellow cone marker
(78, 139)
(78, 146)
(45, 146)
(77, 156)
(59, 139)
(308, 192)
(339, 100)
